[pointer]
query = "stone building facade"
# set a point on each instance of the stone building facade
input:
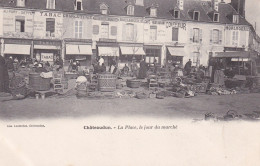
(161, 31)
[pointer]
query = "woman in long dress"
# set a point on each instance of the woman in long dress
(143, 70)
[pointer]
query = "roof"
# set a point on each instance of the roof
(118, 7)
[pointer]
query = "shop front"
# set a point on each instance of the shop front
(129, 54)
(153, 54)
(81, 52)
(108, 51)
(175, 55)
(46, 51)
(235, 63)
(18, 49)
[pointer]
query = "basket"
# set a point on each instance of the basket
(106, 82)
(36, 82)
(133, 83)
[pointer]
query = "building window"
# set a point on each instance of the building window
(78, 5)
(235, 38)
(175, 34)
(139, 2)
(176, 14)
(19, 24)
(153, 33)
(20, 3)
(104, 30)
(95, 29)
(235, 19)
(104, 9)
(50, 4)
(113, 30)
(129, 32)
(195, 58)
(196, 15)
(195, 35)
(153, 12)
(216, 17)
(216, 36)
(50, 27)
(152, 54)
(78, 29)
(130, 10)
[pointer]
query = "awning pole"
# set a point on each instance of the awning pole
(238, 67)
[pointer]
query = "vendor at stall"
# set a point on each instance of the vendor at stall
(187, 67)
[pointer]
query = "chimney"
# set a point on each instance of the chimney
(215, 4)
(239, 6)
(180, 4)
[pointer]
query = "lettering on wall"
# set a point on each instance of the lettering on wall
(235, 27)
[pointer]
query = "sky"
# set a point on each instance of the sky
(252, 13)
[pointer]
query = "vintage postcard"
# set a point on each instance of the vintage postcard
(129, 83)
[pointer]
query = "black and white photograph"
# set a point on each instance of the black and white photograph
(129, 82)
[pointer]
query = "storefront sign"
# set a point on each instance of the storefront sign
(47, 57)
(240, 28)
(18, 12)
(132, 20)
(50, 14)
(102, 18)
(17, 41)
(43, 42)
(66, 15)
(107, 40)
(174, 24)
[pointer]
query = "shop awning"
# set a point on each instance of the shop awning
(17, 49)
(77, 49)
(176, 51)
(239, 54)
(108, 51)
(46, 47)
(132, 50)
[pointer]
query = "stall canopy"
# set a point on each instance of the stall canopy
(108, 51)
(132, 50)
(17, 49)
(72, 49)
(240, 54)
(46, 47)
(176, 51)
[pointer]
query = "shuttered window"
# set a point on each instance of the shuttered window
(50, 25)
(50, 4)
(113, 30)
(129, 32)
(175, 34)
(196, 35)
(235, 38)
(19, 24)
(78, 29)
(95, 29)
(153, 33)
(105, 30)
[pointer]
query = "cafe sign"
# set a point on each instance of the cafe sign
(47, 57)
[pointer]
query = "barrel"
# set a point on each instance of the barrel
(36, 82)
(106, 82)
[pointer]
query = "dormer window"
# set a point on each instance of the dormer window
(130, 10)
(104, 9)
(216, 17)
(50, 4)
(176, 14)
(20, 3)
(153, 12)
(196, 15)
(78, 5)
(139, 2)
(235, 18)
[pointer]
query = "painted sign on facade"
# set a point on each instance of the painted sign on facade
(48, 25)
(17, 23)
(237, 27)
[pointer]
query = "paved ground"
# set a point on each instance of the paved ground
(64, 141)
(171, 107)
